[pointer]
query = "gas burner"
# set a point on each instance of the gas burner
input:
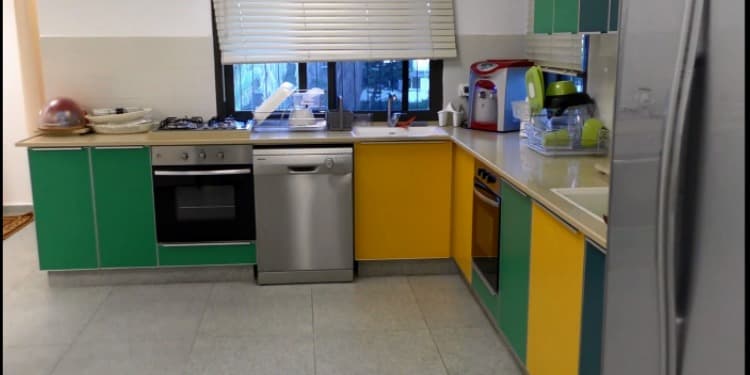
(197, 123)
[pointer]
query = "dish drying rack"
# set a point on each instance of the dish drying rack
(564, 135)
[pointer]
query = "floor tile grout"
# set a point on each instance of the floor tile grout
(312, 310)
(200, 323)
(80, 332)
(429, 330)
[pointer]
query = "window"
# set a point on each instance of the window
(361, 50)
(364, 85)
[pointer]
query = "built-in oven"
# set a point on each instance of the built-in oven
(203, 194)
(485, 242)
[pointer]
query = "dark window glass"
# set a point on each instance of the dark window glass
(253, 83)
(365, 85)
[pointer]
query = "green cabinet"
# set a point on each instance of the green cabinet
(614, 15)
(63, 208)
(207, 255)
(573, 16)
(124, 206)
(565, 16)
(593, 311)
(594, 15)
(515, 244)
(543, 16)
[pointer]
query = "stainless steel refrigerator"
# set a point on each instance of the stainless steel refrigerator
(674, 291)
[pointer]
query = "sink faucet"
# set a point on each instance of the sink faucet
(391, 121)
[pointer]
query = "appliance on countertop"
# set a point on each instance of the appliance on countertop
(197, 123)
(674, 300)
(304, 197)
(493, 86)
(485, 232)
(203, 195)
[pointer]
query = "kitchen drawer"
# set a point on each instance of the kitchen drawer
(206, 255)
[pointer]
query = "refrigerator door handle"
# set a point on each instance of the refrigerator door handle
(670, 174)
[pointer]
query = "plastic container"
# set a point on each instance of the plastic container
(522, 112)
(561, 135)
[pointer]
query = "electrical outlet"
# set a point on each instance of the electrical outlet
(463, 90)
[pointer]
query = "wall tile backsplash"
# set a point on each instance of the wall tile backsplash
(172, 75)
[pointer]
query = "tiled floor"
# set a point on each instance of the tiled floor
(389, 325)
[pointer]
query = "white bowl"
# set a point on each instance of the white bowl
(120, 117)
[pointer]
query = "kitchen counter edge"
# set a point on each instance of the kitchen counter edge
(468, 140)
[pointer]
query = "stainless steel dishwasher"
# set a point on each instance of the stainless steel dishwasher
(304, 212)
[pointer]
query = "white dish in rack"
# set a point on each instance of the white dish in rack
(134, 127)
(117, 118)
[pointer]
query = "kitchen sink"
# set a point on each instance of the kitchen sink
(384, 131)
(592, 200)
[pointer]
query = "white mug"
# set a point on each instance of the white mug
(458, 118)
(444, 118)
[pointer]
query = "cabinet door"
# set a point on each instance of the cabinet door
(63, 208)
(594, 16)
(124, 206)
(565, 16)
(555, 295)
(515, 243)
(463, 182)
(543, 16)
(593, 311)
(402, 194)
(614, 14)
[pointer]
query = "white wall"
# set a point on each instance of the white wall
(485, 29)
(16, 183)
(491, 17)
(146, 53)
(117, 18)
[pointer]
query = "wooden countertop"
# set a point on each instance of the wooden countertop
(507, 154)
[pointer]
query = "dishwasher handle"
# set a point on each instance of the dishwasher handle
(303, 169)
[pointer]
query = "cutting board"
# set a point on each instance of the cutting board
(602, 168)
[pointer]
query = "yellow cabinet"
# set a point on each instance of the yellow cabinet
(402, 200)
(461, 201)
(555, 295)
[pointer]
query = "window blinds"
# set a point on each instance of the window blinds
(561, 52)
(255, 31)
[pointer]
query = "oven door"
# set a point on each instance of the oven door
(485, 241)
(204, 204)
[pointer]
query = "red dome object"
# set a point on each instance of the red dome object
(61, 113)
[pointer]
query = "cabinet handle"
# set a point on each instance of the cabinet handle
(58, 149)
(118, 147)
(562, 221)
(197, 244)
(514, 188)
(401, 142)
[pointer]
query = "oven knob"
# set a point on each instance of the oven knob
(329, 163)
(220, 155)
(184, 156)
(202, 155)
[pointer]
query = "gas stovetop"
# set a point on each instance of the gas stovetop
(197, 123)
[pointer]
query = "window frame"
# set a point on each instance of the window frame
(224, 78)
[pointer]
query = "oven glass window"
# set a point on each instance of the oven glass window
(486, 236)
(198, 203)
(214, 207)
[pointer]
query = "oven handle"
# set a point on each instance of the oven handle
(484, 199)
(216, 172)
